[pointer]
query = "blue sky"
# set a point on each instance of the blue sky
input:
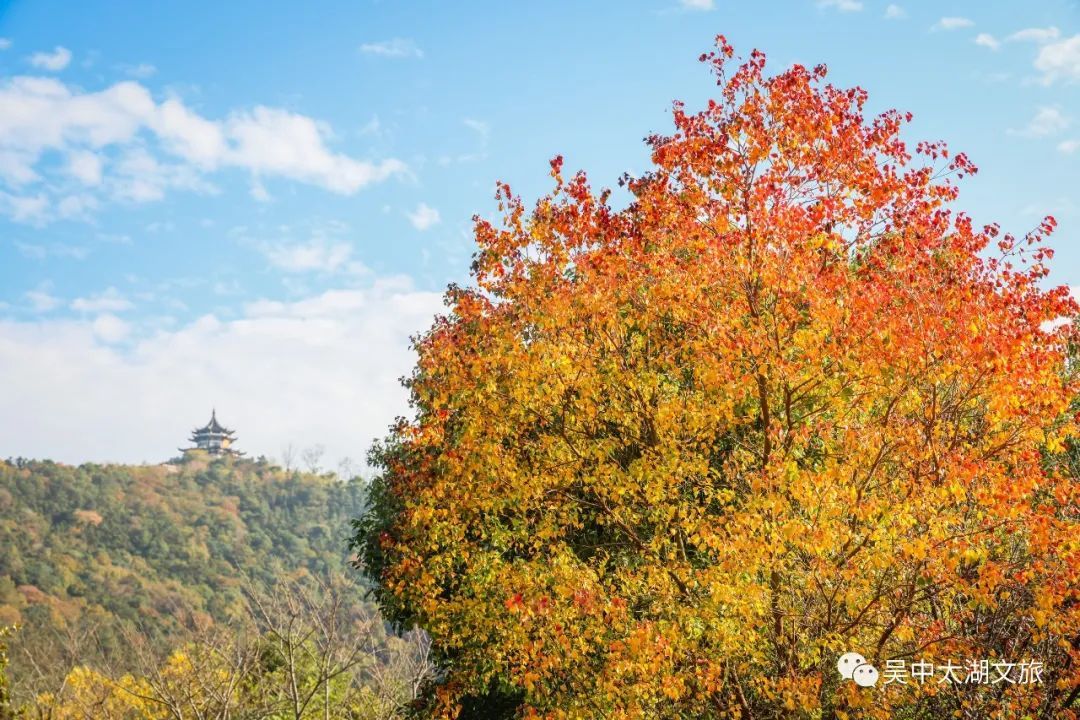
(252, 205)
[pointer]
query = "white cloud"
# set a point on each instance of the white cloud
(76, 206)
(321, 247)
(110, 329)
(424, 217)
(697, 4)
(269, 141)
(447, 160)
(5, 43)
(57, 250)
(1068, 146)
(140, 177)
(1051, 325)
(189, 135)
(332, 360)
(1059, 60)
(1036, 35)
(32, 209)
(396, 48)
(55, 61)
(42, 301)
(987, 40)
(895, 12)
(1047, 121)
(952, 23)
(44, 114)
(85, 166)
(16, 169)
(109, 301)
(318, 254)
(841, 5)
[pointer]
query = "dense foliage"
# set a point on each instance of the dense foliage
(672, 460)
(84, 550)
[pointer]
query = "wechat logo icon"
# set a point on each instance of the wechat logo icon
(853, 666)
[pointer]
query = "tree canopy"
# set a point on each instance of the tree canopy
(672, 459)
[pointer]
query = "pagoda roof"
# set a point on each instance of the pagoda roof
(218, 451)
(214, 427)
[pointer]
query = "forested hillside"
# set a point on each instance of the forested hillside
(137, 543)
(215, 587)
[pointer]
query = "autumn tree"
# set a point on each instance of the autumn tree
(670, 460)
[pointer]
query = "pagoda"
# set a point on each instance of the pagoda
(213, 438)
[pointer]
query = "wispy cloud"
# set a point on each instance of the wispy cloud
(30, 209)
(64, 251)
(479, 126)
(140, 71)
(1037, 35)
(317, 254)
(76, 206)
(424, 217)
(1056, 59)
(1068, 147)
(5, 43)
(321, 247)
(111, 301)
(1047, 121)
(395, 48)
(952, 23)
(1059, 60)
(698, 4)
(895, 12)
(258, 191)
(42, 301)
(841, 5)
(372, 126)
(988, 41)
(55, 61)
